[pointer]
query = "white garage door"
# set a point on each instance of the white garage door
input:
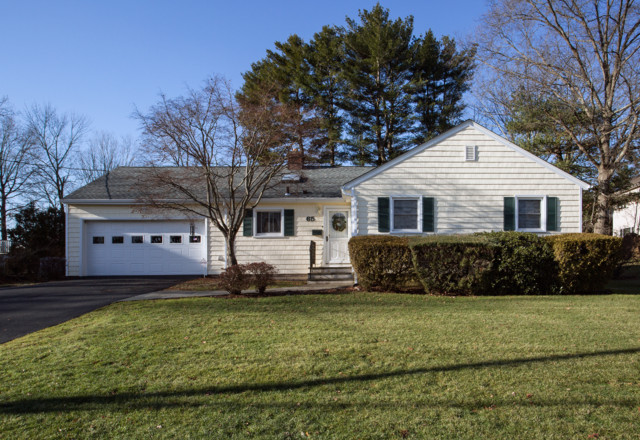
(144, 248)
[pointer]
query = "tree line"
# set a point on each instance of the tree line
(366, 91)
(45, 153)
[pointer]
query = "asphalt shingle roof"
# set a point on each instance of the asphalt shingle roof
(128, 183)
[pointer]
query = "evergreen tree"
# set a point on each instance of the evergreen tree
(441, 75)
(286, 71)
(378, 56)
(327, 88)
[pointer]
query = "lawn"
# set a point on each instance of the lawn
(344, 366)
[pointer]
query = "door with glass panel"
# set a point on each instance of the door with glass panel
(337, 236)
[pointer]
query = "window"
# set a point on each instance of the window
(117, 239)
(137, 239)
(156, 239)
(531, 213)
(175, 239)
(268, 223)
(98, 240)
(194, 239)
(405, 214)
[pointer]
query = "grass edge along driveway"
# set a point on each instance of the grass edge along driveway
(357, 365)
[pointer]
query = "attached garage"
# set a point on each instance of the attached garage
(144, 247)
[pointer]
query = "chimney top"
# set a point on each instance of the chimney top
(295, 160)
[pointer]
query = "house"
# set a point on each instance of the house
(466, 180)
(626, 220)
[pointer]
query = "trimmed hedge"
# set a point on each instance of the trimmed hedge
(454, 264)
(585, 261)
(381, 262)
(524, 265)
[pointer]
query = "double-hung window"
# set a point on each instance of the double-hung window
(406, 214)
(268, 222)
(531, 213)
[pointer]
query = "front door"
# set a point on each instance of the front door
(337, 237)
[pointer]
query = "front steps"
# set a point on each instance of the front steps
(343, 275)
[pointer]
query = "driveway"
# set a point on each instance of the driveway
(26, 309)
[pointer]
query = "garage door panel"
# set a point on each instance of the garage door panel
(146, 258)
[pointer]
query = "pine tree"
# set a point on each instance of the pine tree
(378, 56)
(327, 87)
(287, 72)
(441, 75)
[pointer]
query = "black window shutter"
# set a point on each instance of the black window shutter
(428, 214)
(247, 224)
(509, 213)
(552, 214)
(289, 223)
(383, 214)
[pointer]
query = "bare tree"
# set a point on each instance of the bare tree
(234, 153)
(56, 138)
(15, 167)
(582, 56)
(105, 152)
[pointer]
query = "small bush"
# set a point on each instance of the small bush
(261, 275)
(524, 265)
(586, 262)
(454, 264)
(51, 268)
(234, 279)
(381, 262)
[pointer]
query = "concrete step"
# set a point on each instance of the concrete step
(330, 277)
(327, 270)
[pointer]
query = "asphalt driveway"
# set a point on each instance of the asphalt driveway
(26, 309)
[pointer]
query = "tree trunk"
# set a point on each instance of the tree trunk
(602, 224)
(3, 220)
(231, 250)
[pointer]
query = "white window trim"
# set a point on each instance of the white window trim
(267, 234)
(543, 213)
(392, 228)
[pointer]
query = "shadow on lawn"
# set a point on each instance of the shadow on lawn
(149, 400)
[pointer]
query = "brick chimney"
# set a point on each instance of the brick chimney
(295, 160)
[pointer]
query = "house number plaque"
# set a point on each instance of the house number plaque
(311, 219)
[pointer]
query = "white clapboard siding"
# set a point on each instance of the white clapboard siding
(290, 255)
(468, 194)
(627, 218)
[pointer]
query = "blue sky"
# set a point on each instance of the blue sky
(102, 58)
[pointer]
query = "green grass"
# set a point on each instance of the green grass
(360, 365)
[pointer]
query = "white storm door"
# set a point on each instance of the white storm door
(337, 237)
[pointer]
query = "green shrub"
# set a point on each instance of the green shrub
(585, 261)
(524, 265)
(454, 264)
(381, 262)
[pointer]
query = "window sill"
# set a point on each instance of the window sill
(531, 230)
(269, 236)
